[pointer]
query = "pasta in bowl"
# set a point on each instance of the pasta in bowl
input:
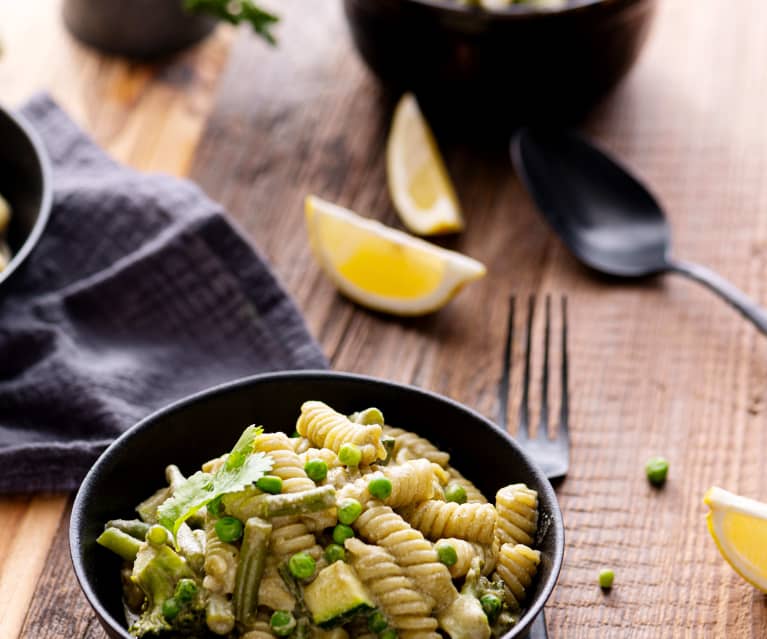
(351, 528)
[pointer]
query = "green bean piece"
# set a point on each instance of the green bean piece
(294, 588)
(270, 484)
(492, 605)
(229, 529)
(147, 509)
(133, 527)
(157, 535)
(377, 622)
(250, 569)
(380, 487)
(219, 614)
(388, 443)
(170, 609)
(302, 565)
(341, 533)
(303, 629)
(446, 553)
(348, 510)
(456, 493)
(282, 622)
(388, 633)
(120, 543)
(334, 552)
(350, 455)
(656, 469)
(368, 417)
(606, 578)
(244, 505)
(316, 469)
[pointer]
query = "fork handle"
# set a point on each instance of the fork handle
(538, 629)
(729, 293)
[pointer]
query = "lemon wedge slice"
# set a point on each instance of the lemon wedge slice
(419, 184)
(382, 268)
(739, 528)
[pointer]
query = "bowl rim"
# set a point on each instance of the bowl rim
(514, 11)
(557, 522)
(46, 199)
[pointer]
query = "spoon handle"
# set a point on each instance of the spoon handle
(729, 293)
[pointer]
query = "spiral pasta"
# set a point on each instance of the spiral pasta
(517, 507)
(260, 630)
(517, 565)
(324, 454)
(438, 519)
(220, 561)
(408, 446)
(466, 552)
(473, 494)
(412, 481)
(381, 525)
(328, 429)
(395, 594)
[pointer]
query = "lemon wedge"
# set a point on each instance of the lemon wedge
(419, 184)
(739, 528)
(382, 268)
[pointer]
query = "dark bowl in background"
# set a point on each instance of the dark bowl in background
(480, 72)
(26, 183)
(140, 29)
(207, 424)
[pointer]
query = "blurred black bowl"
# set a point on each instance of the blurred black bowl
(25, 182)
(481, 72)
(196, 429)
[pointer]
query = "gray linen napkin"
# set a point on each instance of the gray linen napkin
(140, 292)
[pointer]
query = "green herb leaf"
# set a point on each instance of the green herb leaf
(242, 468)
(236, 12)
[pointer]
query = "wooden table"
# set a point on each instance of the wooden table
(657, 367)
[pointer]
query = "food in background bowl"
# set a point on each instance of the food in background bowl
(502, 4)
(5, 220)
(351, 528)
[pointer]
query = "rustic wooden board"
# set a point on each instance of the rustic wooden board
(658, 367)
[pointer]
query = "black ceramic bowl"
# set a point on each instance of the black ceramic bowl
(195, 429)
(481, 72)
(25, 182)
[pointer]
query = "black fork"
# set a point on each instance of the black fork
(552, 455)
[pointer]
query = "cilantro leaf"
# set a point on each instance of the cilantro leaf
(242, 468)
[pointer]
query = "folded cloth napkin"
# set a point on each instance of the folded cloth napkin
(140, 292)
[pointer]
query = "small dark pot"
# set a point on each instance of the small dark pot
(485, 72)
(141, 29)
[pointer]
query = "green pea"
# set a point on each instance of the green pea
(377, 622)
(157, 535)
(316, 469)
(348, 510)
(334, 552)
(229, 529)
(456, 493)
(282, 622)
(170, 609)
(350, 455)
(491, 604)
(380, 487)
(341, 533)
(270, 484)
(368, 417)
(186, 589)
(446, 553)
(389, 633)
(606, 578)
(301, 565)
(657, 470)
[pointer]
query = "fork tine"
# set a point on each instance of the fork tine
(564, 411)
(543, 424)
(524, 407)
(505, 383)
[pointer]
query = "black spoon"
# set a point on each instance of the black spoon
(605, 216)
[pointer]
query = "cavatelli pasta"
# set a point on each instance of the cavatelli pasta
(408, 446)
(438, 519)
(517, 507)
(381, 525)
(394, 593)
(473, 494)
(466, 552)
(220, 561)
(517, 565)
(328, 429)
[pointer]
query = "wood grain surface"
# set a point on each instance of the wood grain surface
(658, 367)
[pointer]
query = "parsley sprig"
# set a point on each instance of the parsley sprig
(242, 468)
(236, 12)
